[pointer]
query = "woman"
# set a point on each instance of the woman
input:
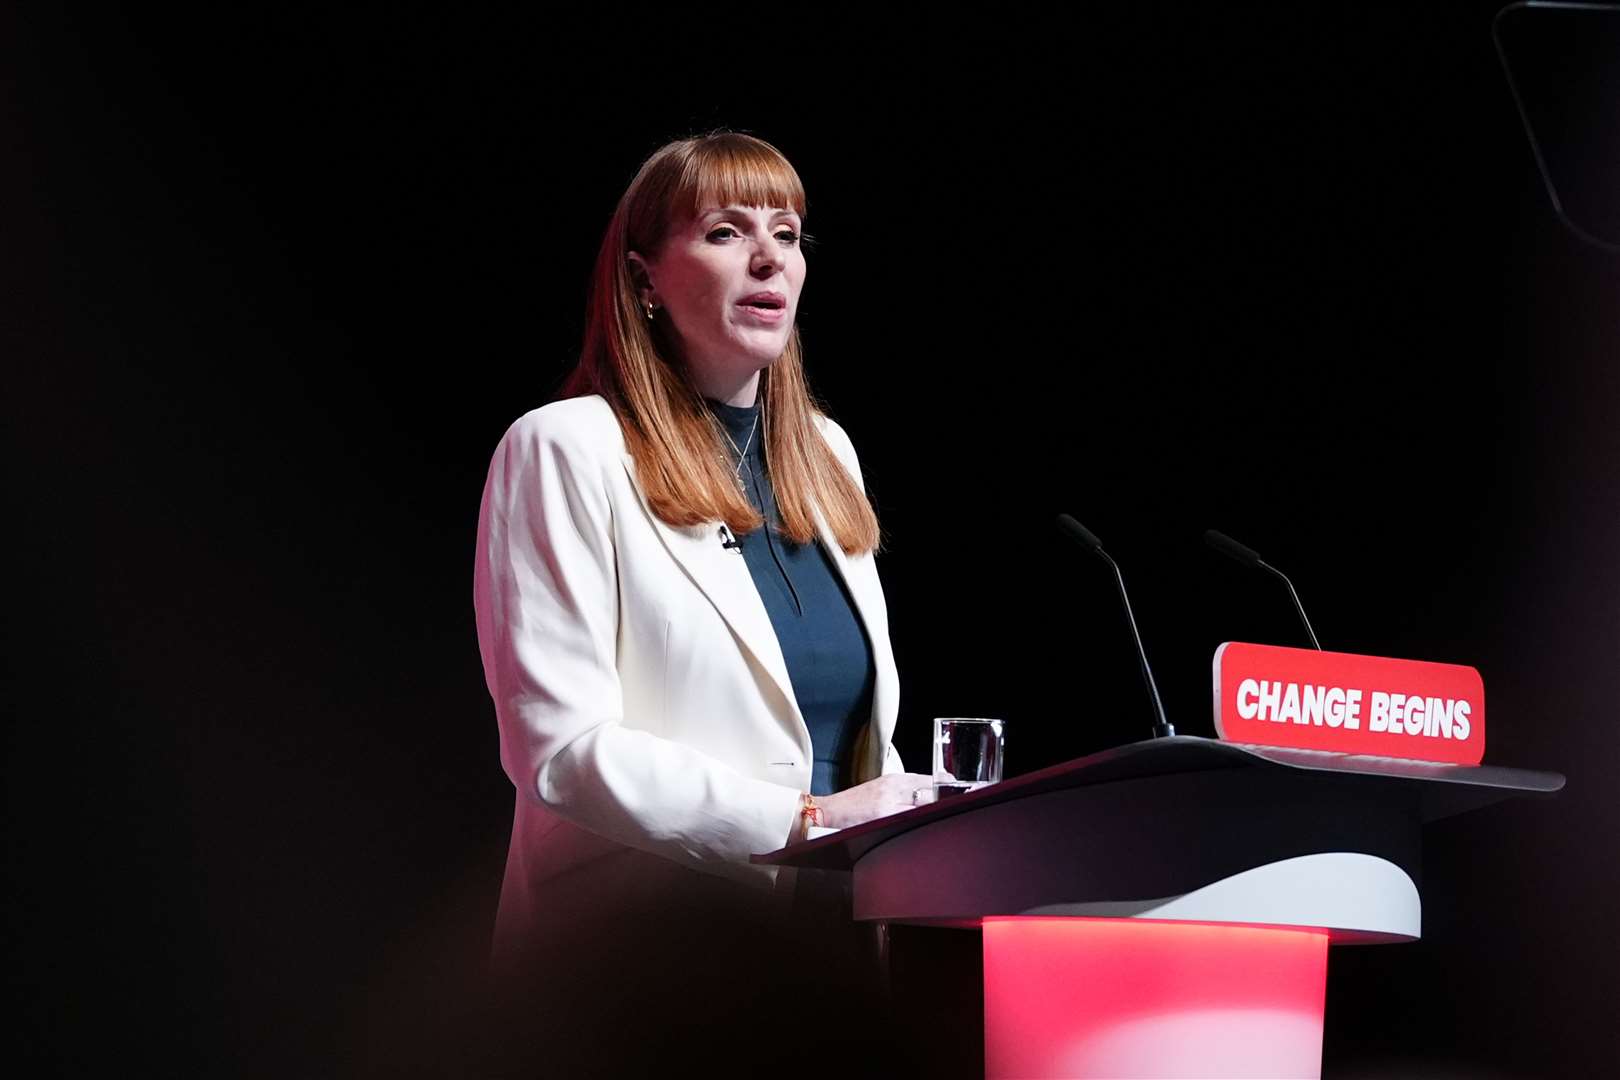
(680, 620)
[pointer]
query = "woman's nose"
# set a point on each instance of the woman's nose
(768, 259)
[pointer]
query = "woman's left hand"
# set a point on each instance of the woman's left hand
(886, 795)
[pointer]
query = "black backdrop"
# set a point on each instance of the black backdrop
(275, 283)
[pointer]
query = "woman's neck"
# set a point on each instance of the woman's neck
(729, 391)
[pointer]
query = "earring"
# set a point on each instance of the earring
(649, 311)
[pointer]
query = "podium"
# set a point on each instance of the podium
(1164, 908)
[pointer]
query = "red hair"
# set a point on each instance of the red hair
(677, 444)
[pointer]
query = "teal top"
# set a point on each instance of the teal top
(824, 642)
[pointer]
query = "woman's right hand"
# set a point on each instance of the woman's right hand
(886, 795)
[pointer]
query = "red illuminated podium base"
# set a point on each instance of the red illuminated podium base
(1122, 998)
(1165, 908)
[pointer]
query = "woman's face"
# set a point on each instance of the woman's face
(728, 281)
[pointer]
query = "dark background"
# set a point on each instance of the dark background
(275, 283)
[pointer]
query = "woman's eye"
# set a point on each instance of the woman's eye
(724, 232)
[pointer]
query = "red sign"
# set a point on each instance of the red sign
(1271, 696)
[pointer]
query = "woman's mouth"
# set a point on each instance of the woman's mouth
(767, 311)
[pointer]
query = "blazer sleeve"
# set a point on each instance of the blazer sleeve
(546, 599)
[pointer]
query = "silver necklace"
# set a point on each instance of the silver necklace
(737, 472)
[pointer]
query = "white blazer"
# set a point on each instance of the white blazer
(645, 711)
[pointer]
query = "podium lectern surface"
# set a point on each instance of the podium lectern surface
(1439, 790)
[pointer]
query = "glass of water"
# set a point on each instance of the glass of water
(968, 753)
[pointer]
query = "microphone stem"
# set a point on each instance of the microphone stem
(1297, 605)
(1162, 728)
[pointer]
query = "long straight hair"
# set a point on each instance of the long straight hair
(674, 438)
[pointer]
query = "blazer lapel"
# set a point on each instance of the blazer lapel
(722, 575)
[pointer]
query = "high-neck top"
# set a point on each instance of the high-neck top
(824, 643)
(742, 424)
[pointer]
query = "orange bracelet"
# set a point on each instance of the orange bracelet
(809, 811)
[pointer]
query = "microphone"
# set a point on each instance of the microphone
(1248, 557)
(1088, 540)
(728, 541)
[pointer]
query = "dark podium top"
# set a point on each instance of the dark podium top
(1438, 790)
